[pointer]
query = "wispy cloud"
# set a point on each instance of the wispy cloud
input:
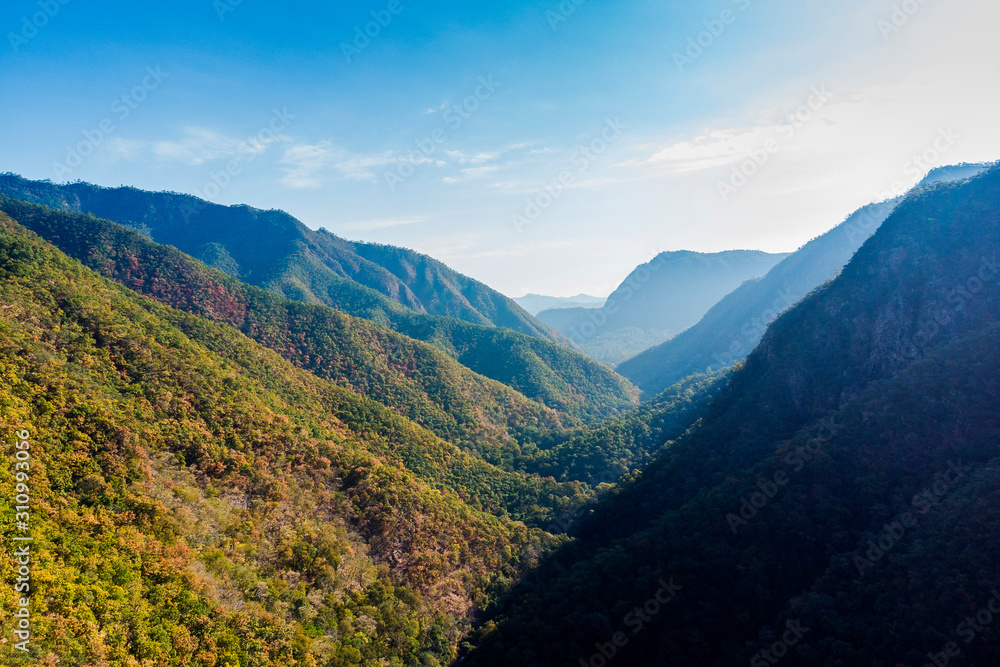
(473, 158)
(715, 149)
(472, 173)
(196, 146)
(311, 165)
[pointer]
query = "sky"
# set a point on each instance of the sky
(545, 147)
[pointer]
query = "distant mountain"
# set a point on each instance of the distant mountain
(954, 172)
(536, 303)
(273, 250)
(658, 300)
(734, 326)
(839, 502)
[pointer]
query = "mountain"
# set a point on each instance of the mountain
(416, 379)
(536, 303)
(658, 300)
(271, 249)
(196, 497)
(734, 326)
(836, 505)
(249, 511)
(546, 372)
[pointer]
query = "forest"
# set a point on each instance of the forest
(221, 475)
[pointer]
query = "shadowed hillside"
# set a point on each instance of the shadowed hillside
(847, 467)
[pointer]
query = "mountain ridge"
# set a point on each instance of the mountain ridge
(545, 371)
(274, 250)
(414, 378)
(657, 300)
(536, 303)
(731, 329)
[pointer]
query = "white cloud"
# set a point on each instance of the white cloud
(474, 158)
(715, 149)
(196, 146)
(471, 173)
(304, 164)
(126, 149)
(311, 165)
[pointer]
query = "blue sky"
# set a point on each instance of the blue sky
(537, 146)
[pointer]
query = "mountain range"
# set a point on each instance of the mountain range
(658, 300)
(733, 327)
(196, 494)
(536, 303)
(243, 453)
(274, 251)
(271, 249)
(330, 490)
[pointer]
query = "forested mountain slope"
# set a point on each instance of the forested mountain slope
(734, 326)
(195, 496)
(271, 249)
(607, 451)
(418, 381)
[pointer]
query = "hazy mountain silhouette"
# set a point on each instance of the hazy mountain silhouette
(734, 326)
(658, 300)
